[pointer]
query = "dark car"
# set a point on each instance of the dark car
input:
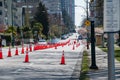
(80, 37)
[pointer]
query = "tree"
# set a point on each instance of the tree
(55, 31)
(11, 30)
(37, 30)
(18, 36)
(41, 16)
(18, 30)
(68, 21)
(27, 33)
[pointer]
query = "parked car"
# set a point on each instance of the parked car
(42, 42)
(65, 36)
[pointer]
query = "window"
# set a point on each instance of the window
(0, 12)
(0, 3)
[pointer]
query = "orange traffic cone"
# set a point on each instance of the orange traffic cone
(34, 48)
(26, 57)
(22, 52)
(55, 46)
(27, 49)
(9, 52)
(1, 56)
(30, 48)
(62, 59)
(73, 47)
(68, 44)
(62, 45)
(16, 51)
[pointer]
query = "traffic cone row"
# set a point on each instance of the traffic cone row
(27, 55)
(16, 53)
(26, 60)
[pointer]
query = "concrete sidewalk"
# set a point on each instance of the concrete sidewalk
(102, 64)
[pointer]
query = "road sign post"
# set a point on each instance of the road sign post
(111, 25)
(111, 62)
(87, 23)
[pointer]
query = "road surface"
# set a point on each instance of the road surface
(43, 64)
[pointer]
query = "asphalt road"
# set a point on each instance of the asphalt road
(43, 64)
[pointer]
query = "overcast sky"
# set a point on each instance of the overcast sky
(79, 11)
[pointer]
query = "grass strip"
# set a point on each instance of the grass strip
(116, 50)
(85, 67)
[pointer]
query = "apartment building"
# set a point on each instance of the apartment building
(2, 15)
(2, 12)
(12, 12)
(69, 7)
(54, 11)
(53, 6)
(24, 8)
(56, 7)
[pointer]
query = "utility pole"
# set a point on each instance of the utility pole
(86, 28)
(87, 8)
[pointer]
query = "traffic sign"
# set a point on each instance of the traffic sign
(111, 16)
(87, 23)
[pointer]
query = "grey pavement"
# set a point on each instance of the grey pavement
(102, 64)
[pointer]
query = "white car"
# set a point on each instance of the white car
(42, 42)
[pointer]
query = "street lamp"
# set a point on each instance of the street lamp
(12, 23)
(93, 57)
(21, 36)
